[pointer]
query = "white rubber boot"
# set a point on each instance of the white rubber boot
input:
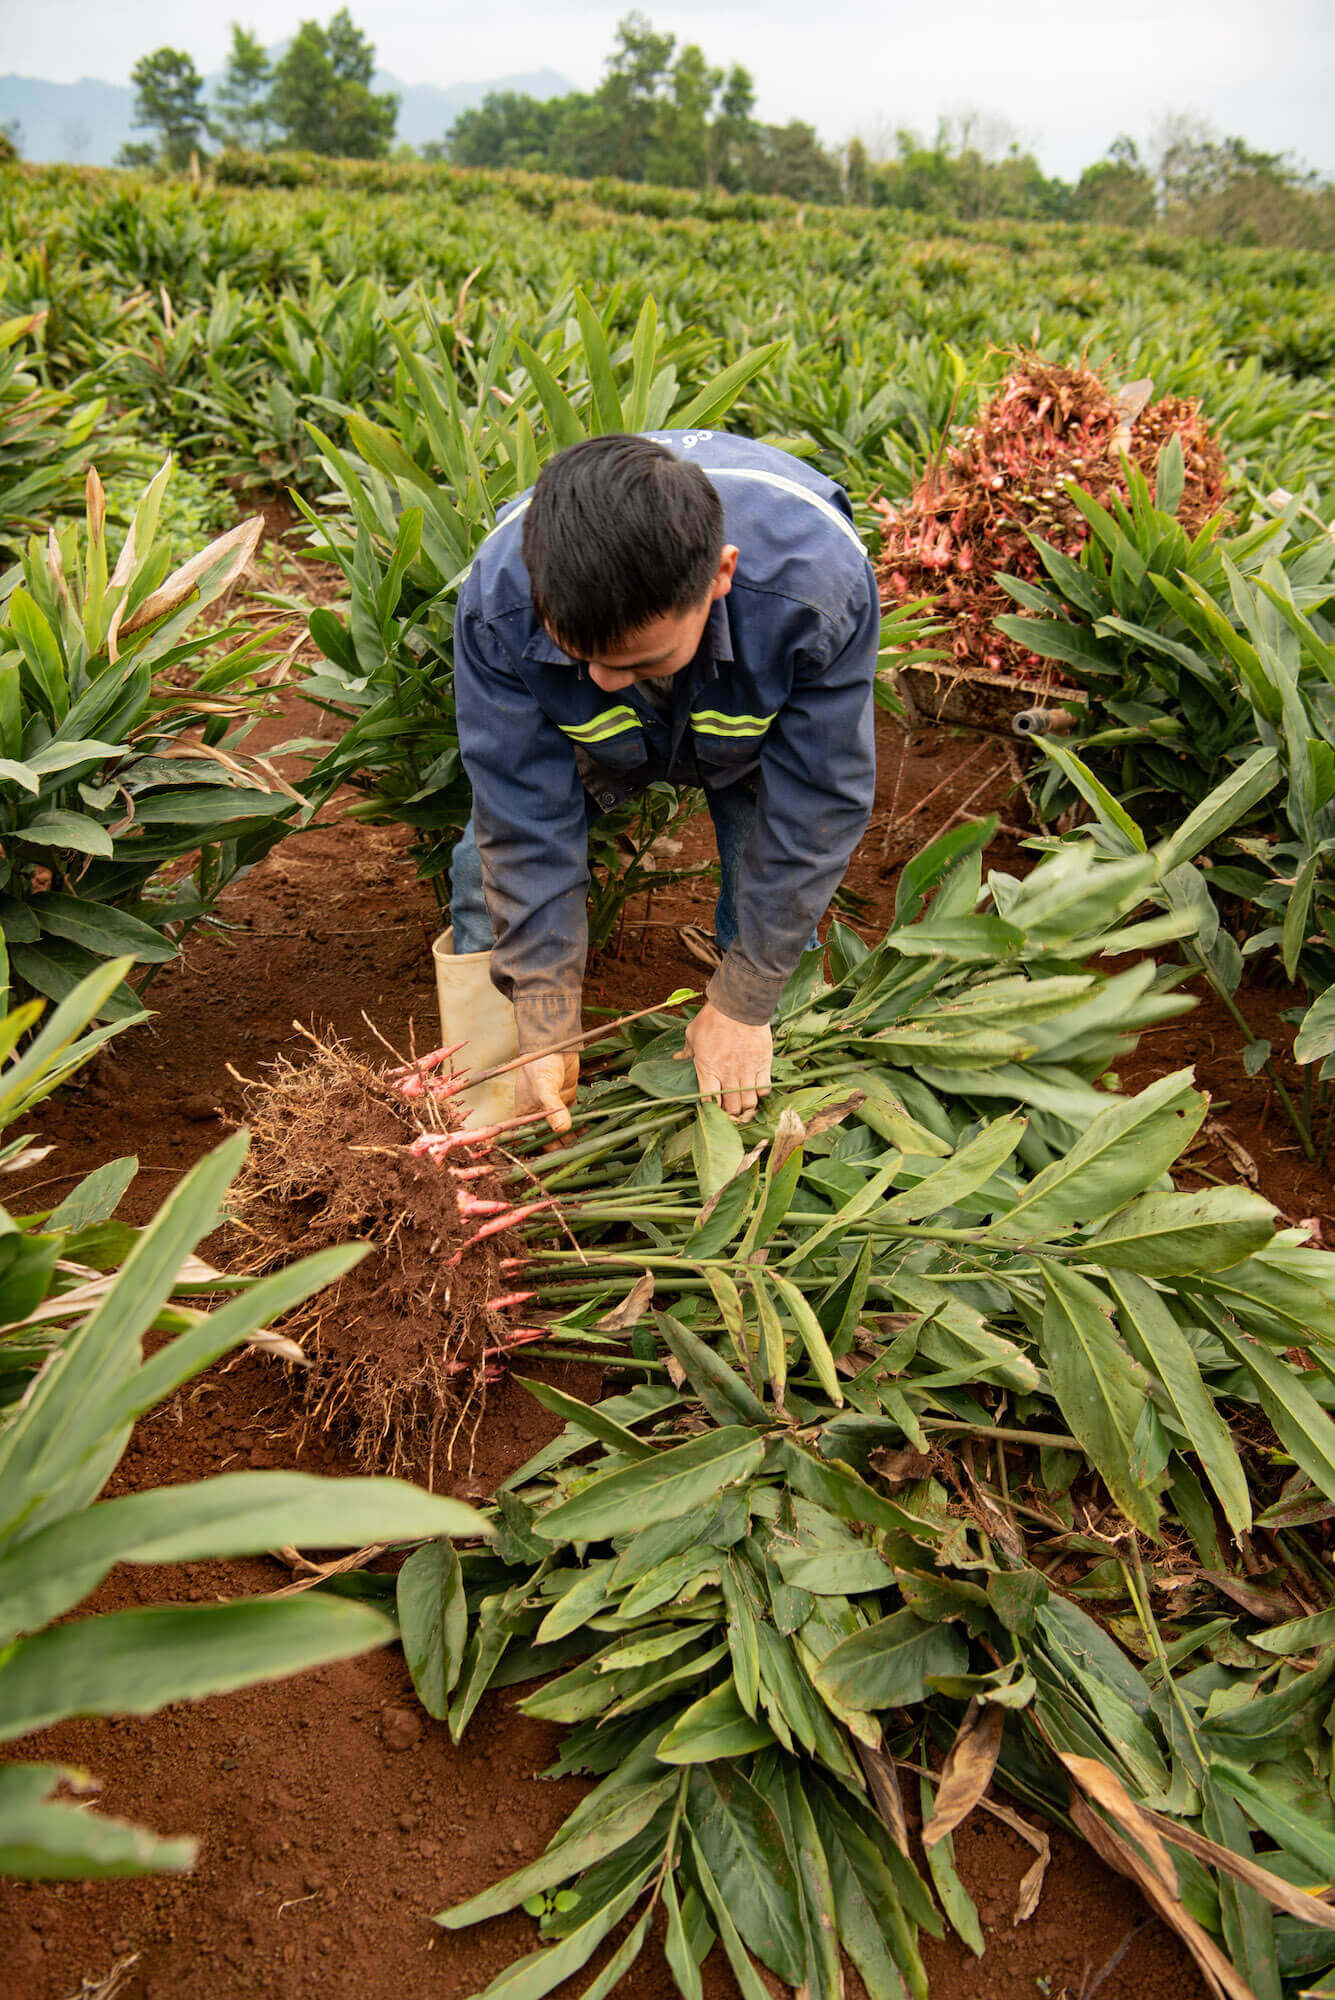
(473, 1012)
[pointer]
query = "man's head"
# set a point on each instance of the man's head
(625, 554)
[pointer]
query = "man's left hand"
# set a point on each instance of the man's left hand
(732, 1060)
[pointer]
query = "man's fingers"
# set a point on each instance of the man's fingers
(710, 1085)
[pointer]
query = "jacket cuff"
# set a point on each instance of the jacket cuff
(542, 1020)
(742, 993)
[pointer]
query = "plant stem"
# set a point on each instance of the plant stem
(1239, 1020)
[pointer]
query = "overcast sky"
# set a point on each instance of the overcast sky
(1069, 75)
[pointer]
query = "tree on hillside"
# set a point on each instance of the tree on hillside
(322, 101)
(1118, 189)
(169, 95)
(1221, 187)
(11, 142)
(734, 127)
(241, 110)
(790, 160)
(637, 70)
(682, 153)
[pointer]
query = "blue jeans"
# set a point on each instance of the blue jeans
(732, 810)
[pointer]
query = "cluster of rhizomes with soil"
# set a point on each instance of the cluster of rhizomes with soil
(972, 513)
(399, 1351)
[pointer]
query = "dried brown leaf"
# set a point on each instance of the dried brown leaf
(238, 545)
(1300, 1903)
(1269, 1605)
(968, 1769)
(898, 1468)
(748, 1161)
(1031, 1883)
(883, 1783)
(1238, 1155)
(1106, 1789)
(1221, 1978)
(834, 1114)
(631, 1309)
(789, 1134)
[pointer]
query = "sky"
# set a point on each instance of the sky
(1067, 75)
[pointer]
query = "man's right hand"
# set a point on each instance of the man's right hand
(548, 1084)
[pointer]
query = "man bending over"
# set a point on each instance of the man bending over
(684, 606)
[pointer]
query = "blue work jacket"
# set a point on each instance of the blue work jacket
(779, 693)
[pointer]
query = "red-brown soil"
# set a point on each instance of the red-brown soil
(334, 1816)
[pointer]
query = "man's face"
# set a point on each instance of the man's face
(664, 646)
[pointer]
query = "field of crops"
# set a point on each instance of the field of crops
(894, 1527)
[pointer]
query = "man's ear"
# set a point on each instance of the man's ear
(723, 576)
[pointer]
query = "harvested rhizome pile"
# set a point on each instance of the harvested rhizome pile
(401, 1348)
(972, 512)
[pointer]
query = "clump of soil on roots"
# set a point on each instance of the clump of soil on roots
(399, 1349)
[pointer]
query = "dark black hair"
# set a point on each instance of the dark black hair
(619, 532)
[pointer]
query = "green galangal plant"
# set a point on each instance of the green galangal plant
(45, 436)
(121, 748)
(958, 1436)
(78, 1294)
(420, 493)
(1211, 672)
(631, 852)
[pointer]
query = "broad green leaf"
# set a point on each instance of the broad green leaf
(1107, 810)
(1225, 805)
(721, 1389)
(1297, 1833)
(100, 929)
(956, 1901)
(715, 1726)
(888, 1664)
(742, 1842)
(46, 1839)
(659, 1489)
(1159, 1344)
(1122, 1152)
(1165, 1235)
(717, 1149)
(97, 1196)
(622, 1816)
(59, 828)
(133, 1662)
(811, 1335)
(1101, 1390)
(1316, 1032)
(235, 1514)
(718, 396)
(751, 1985)
(589, 1418)
(1298, 1635)
(969, 1168)
(433, 1622)
(1304, 1427)
(532, 1977)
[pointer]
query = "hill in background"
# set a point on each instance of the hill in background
(88, 122)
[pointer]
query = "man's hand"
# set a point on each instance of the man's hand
(732, 1061)
(548, 1084)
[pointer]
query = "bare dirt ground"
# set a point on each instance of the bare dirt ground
(334, 1816)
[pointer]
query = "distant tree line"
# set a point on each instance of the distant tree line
(316, 98)
(1189, 180)
(664, 114)
(661, 113)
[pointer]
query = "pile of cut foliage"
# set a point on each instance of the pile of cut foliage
(1051, 440)
(962, 1450)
